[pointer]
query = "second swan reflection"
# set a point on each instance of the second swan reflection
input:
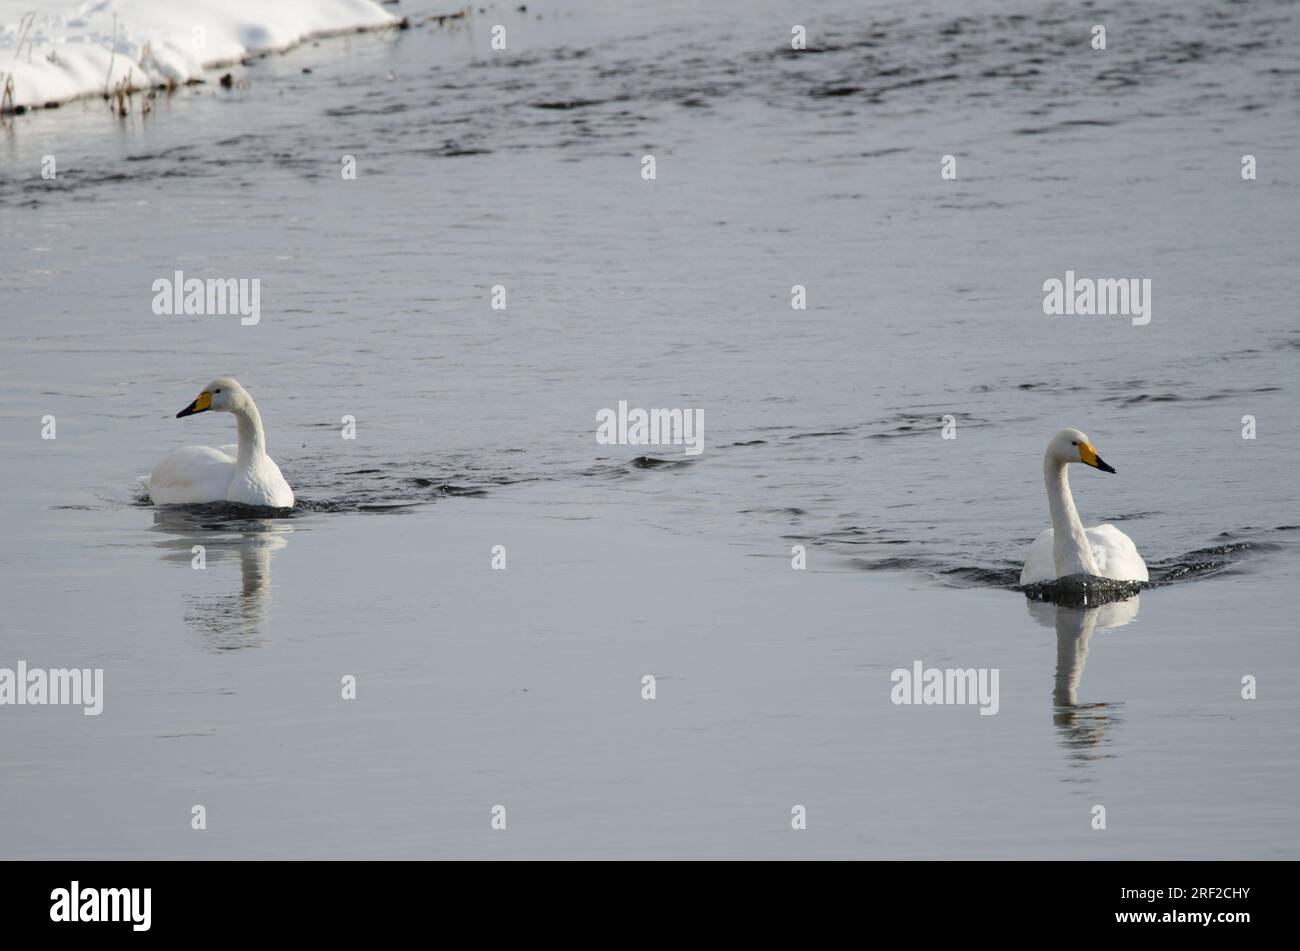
(236, 614)
(1083, 727)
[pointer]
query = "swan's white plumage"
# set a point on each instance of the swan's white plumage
(1114, 553)
(241, 473)
(193, 474)
(1101, 551)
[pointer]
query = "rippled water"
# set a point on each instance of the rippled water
(822, 426)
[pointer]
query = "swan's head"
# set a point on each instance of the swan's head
(221, 396)
(1070, 445)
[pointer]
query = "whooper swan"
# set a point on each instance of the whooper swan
(243, 473)
(1067, 548)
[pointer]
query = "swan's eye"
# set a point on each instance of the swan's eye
(216, 391)
(1072, 442)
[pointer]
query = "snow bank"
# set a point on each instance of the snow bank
(62, 51)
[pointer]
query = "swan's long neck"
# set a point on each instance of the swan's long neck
(1071, 553)
(252, 440)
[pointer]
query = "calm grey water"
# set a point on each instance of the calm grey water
(475, 428)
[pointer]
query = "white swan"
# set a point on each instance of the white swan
(242, 473)
(1067, 548)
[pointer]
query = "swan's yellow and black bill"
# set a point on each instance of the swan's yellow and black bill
(1088, 456)
(202, 402)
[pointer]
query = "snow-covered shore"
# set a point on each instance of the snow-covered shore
(52, 51)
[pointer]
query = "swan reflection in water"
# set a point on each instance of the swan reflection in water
(238, 616)
(1082, 727)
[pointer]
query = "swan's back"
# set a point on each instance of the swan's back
(193, 474)
(1116, 556)
(1039, 563)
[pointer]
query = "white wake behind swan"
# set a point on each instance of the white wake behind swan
(1067, 548)
(241, 473)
